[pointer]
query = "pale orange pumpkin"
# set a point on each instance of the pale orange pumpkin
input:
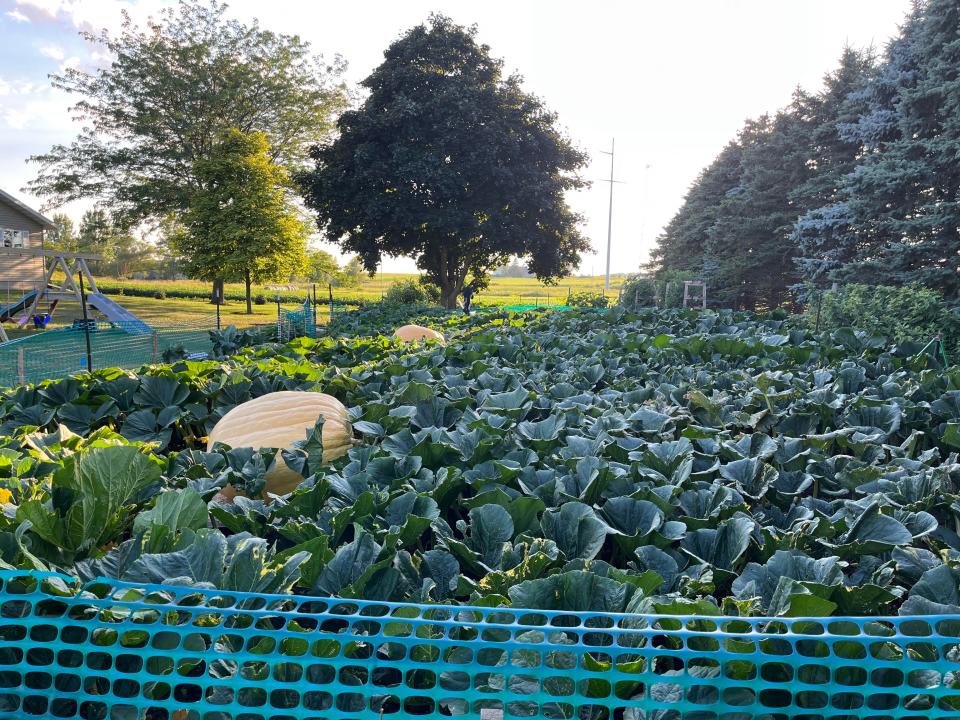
(415, 333)
(277, 420)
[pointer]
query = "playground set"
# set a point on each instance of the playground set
(107, 335)
(77, 285)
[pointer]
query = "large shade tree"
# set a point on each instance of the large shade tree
(450, 162)
(241, 224)
(156, 107)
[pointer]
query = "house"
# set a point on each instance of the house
(21, 227)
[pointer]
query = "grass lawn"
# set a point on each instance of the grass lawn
(172, 312)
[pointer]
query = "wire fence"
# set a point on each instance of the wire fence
(99, 344)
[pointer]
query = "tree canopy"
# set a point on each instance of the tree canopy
(855, 183)
(241, 224)
(450, 162)
(155, 108)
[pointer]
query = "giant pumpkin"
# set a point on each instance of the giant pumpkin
(413, 333)
(277, 420)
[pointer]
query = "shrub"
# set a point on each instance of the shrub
(639, 291)
(160, 295)
(912, 312)
(411, 292)
(230, 340)
(587, 298)
(259, 299)
(173, 353)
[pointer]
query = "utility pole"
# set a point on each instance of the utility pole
(610, 212)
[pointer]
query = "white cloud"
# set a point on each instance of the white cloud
(53, 51)
(71, 62)
(92, 14)
(17, 119)
(17, 16)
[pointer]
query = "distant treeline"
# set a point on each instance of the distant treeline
(859, 182)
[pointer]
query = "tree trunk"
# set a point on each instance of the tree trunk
(450, 281)
(448, 296)
(246, 282)
(216, 297)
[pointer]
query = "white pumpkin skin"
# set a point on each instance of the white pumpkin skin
(277, 420)
(414, 333)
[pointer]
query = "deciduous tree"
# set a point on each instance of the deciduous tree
(155, 108)
(241, 223)
(450, 162)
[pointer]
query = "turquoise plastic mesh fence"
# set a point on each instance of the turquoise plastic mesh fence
(117, 650)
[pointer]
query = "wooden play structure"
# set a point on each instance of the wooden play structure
(78, 284)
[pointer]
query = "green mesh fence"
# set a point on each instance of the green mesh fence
(59, 352)
(117, 650)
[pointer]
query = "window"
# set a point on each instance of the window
(15, 238)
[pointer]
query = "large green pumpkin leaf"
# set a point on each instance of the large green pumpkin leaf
(576, 529)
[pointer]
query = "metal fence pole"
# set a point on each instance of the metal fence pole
(314, 308)
(279, 321)
(156, 345)
(218, 316)
(21, 375)
(819, 303)
(86, 324)
(330, 291)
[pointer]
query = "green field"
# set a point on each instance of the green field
(502, 291)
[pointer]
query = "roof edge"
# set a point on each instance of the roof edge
(26, 210)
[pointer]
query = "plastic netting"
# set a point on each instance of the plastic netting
(299, 323)
(117, 650)
(58, 352)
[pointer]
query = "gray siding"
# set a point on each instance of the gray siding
(20, 272)
(11, 217)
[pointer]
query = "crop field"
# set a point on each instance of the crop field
(716, 465)
(570, 461)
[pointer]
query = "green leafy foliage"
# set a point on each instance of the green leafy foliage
(670, 462)
(450, 162)
(411, 292)
(151, 110)
(588, 299)
(911, 313)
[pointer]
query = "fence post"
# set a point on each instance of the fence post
(314, 308)
(86, 324)
(819, 303)
(330, 291)
(218, 316)
(279, 321)
(156, 343)
(21, 375)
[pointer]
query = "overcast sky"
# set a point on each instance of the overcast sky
(671, 81)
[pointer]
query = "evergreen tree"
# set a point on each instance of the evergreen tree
(751, 238)
(825, 234)
(681, 246)
(904, 196)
